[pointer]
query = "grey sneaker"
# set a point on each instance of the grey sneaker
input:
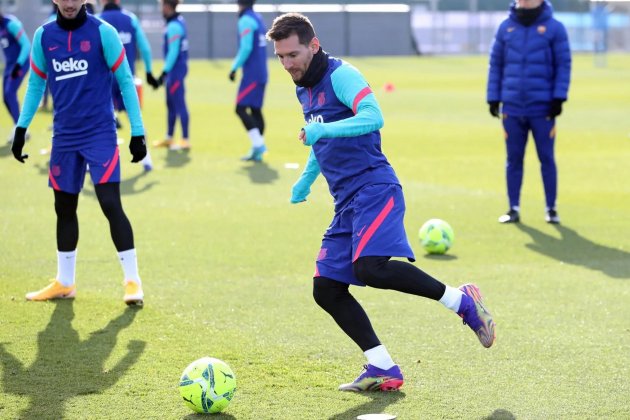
(552, 217)
(511, 216)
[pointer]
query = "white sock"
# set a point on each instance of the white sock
(66, 264)
(452, 298)
(379, 357)
(129, 263)
(147, 159)
(256, 138)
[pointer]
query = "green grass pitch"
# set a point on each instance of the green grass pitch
(227, 263)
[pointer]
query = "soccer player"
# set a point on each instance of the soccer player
(529, 73)
(252, 58)
(173, 74)
(343, 120)
(131, 35)
(16, 47)
(77, 54)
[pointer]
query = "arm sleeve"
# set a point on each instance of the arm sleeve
(353, 91)
(16, 29)
(495, 69)
(143, 44)
(246, 28)
(174, 34)
(36, 81)
(562, 60)
(117, 61)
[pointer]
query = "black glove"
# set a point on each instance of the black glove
(152, 80)
(161, 79)
(556, 108)
(16, 72)
(18, 143)
(232, 75)
(494, 108)
(138, 148)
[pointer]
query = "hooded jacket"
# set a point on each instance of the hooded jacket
(530, 65)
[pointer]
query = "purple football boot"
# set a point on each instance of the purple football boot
(475, 314)
(375, 379)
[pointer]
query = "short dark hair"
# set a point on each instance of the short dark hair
(292, 23)
(172, 3)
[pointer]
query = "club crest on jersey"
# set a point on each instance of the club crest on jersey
(70, 68)
(85, 46)
(321, 98)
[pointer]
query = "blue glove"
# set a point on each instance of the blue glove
(302, 188)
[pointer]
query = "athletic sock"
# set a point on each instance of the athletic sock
(452, 298)
(66, 264)
(129, 263)
(379, 357)
(256, 138)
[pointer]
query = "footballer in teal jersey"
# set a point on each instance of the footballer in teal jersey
(16, 47)
(252, 58)
(343, 120)
(78, 55)
(173, 75)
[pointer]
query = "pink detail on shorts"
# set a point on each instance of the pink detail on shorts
(51, 177)
(174, 87)
(243, 93)
(110, 169)
(375, 225)
(322, 254)
(316, 274)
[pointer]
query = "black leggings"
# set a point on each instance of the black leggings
(251, 119)
(68, 223)
(379, 272)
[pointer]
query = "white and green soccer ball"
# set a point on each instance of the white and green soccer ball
(436, 236)
(207, 385)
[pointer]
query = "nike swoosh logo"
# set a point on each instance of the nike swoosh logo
(106, 163)
(53, 48)
(361, 231)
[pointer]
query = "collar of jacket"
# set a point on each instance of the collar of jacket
(72, 24)
(111, 6)
(315, 71)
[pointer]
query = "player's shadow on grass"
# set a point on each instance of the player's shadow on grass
(177, 158)
(5, 150)
(67, 367)
(260, 173)
(571, 248)
(377, 404)
(501, 414)
(128, 186)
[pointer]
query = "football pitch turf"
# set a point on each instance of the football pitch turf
(227, 263)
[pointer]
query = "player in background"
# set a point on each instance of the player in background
(16, 47)
(77, 53)
(173, 75)
(529, 77)
(252, 58)
(343, 120)
(132, 36)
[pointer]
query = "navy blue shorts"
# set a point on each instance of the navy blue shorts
(250, 93)
(67, 169)
(371, 225)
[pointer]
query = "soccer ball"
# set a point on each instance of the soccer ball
(207, 385)
(436, 236)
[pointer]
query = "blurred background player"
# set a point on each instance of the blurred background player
(252, 58)
(173, 75)
(84, 133)
(343, 122)
(16, 47)
(132, 36)
(529, 74)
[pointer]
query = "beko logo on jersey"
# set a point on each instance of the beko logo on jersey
(71, 68)
(315, 118)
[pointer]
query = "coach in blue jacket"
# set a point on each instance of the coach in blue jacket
(528, 81)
